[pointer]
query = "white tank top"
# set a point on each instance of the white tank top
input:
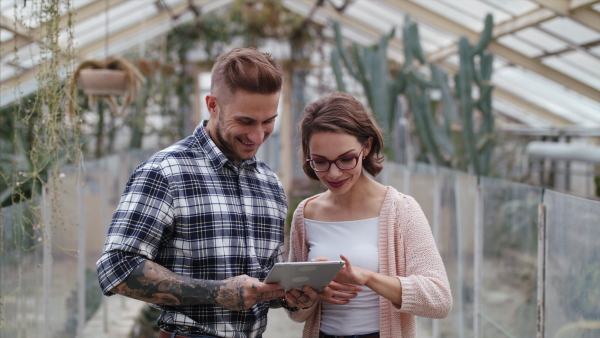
(357, 240)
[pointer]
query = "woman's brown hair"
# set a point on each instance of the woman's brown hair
(339, 112)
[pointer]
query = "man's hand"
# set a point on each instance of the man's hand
(153, 283)
(242, 292)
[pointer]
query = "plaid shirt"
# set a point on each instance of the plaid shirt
(191, 210)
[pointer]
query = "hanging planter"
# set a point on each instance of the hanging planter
(115, 77)
(103, 81)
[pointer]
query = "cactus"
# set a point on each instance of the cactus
(369, 66)
(458, 142)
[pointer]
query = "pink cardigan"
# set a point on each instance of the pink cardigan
(407, 250)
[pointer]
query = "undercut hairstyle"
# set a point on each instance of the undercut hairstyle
(341, 113)
(245, 69)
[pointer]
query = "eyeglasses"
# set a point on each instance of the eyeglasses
(344, 163)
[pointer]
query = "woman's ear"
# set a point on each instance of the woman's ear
(368, 146)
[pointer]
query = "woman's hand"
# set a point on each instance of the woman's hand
(302, 299)
(337, 292)
(352, 275)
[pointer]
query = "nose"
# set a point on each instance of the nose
(258, 134)
(334, 171)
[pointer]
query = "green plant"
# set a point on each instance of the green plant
(456, 142)
(369, 65)
(453, 139)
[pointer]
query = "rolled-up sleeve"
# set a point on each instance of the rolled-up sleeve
(143, 219)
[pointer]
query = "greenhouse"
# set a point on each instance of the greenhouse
(489, 112)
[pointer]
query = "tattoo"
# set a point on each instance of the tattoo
(153, 283)
(231, 296)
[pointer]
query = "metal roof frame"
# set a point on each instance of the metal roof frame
(168, 13)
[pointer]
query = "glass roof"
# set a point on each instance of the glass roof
(547, 68)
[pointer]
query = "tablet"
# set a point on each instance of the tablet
(294, 275)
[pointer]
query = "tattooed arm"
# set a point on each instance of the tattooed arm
(153, 283)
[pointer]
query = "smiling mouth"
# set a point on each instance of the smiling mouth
(338, 183)
(246, 143)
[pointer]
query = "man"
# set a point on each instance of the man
(201, 223)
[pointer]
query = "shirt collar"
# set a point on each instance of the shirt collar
(215, 156)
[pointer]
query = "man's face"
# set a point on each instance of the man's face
(240, 126)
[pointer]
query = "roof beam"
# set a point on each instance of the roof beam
(498, 91)
(84, 51)
(577, 10)
(444, 23)
(522, 103)
(394, 44)
(35, 34)
(530, 108)
(507, 27)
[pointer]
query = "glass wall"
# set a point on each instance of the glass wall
(572, 266)
(486, 232)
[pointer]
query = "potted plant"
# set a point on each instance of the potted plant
(113, 77)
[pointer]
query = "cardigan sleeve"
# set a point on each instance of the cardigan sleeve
(299, 253)
(425, 289)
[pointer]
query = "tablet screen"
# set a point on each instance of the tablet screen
(294, 275)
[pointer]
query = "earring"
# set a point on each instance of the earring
(364, 157)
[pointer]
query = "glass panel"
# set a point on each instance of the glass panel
(478, 9)
(547, 94)
(571, 30)
(515, 7)
(460, 16)
(370, 14)
(5, 35)
(589, 63)
(457, 193)
(21, 286)
(6, 72)
(575, 70)
(519, 114)
(572, 266)
(541, 40)
(509, 272)
(433, 38)
(525, 48)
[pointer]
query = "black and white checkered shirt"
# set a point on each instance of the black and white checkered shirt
(191, 210)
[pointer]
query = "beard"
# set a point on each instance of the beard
(228, 147)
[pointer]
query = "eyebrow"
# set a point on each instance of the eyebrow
(247, 118)
(342, 155)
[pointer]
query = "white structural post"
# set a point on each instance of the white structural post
(541, 278)
(47, 262)
(459, 245)
(478, 261)
(437, 206)
(81, 252)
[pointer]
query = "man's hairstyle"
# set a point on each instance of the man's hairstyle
(245, 69)
(341, 113)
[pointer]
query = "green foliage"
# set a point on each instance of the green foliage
(448, 130)
(369, 65)
(458, 141)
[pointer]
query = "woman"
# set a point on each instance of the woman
(393, 270)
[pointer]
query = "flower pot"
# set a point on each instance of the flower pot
(103, 81)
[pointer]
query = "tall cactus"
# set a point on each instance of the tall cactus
(369, 66)
(456, 142)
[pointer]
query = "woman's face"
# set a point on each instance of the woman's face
(334, 146)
